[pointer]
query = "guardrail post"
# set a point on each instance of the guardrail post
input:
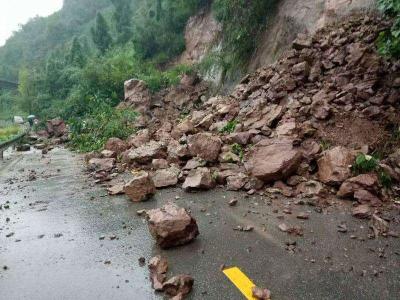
(1, 155)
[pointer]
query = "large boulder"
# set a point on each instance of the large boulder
(273, 159)
(205, 146)
(146, 153)
(140, 187)
(56, 128)
(139, 139)
(199, 178)
(116, 145)
(334, 166)
(137, 96)
(101, 164)
(367, 182)
(172, 226)
(166, 177)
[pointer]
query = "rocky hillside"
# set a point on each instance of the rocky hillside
(322, 122)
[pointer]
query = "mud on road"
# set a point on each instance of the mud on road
(62, 237)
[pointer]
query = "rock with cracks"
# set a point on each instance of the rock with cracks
(273, 159)
(178, 286)
(158, 267)
(140, 188)
(199, 178)
(172, 226)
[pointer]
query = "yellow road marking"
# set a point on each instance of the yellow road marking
(241, 281)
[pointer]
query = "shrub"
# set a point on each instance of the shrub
(238, 150)
(229, 127)
(365, 163)
(91, 132)
(389, 40)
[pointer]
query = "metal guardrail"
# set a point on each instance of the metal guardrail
(9, 143)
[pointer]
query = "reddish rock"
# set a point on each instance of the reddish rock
(261, 294)
(148, 152)
(362, 211)
(363, 197)
(379, 226)
(364, 181)
(117, 189)
(334, 165)
(241, 138)
(166, 177)
(139, 139)
(199, 178)
(177, 150)
(56, 128)
(302, 42)
(159, 163)
(310, 188)
(271, 160)
(140, 188)
(158, 267)
(287, 191)
(101, 164)
(205, 146)
(137, 96)
(178, 287)
(236, 182)
(108, 154)
(116, 145)
(172, 226)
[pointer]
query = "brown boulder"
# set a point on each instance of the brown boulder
(274, 159)
(363, 181)
(116, 145)
(177, 150)
(147, 152)
(205, 145)
(236, 182)
(56, 128)
(137, 95)
(172, 226)
(101, 164)
(107, 154)
(334, 165)
(158, 267)
(199, 178)
(366, 197)
(362, 211)
(139, 139)
(178, 286)
(140, 188)
(166, 177)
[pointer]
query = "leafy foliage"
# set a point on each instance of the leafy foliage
(365, 163)
(238, 150)
(389, 40)
(9, 132)
(101, 35)
(229, 127)
(91, 132)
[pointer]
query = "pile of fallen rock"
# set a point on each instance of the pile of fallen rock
(294, 127)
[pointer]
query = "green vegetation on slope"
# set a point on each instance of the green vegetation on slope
(389, 41)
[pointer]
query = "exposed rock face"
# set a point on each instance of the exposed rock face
(140, 188)
(178, 286)
(158, 267)
(103, 164)
(166, 177)
(367, 182)
(56, 128)
(273, 159)
(199, 178)
(172, 226)
(148, 152)
(334, 165)
(116, 145)
(137, 96)
(205, 146)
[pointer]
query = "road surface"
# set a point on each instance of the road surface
(52, 246)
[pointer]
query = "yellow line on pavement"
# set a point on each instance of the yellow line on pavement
(241, 281)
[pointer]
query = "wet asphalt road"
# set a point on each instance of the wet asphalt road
(52, 247)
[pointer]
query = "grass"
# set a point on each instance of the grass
(9, 132)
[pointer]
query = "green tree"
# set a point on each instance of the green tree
(101, 34)
(123, 20)
(76, 56)
(26, 90)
